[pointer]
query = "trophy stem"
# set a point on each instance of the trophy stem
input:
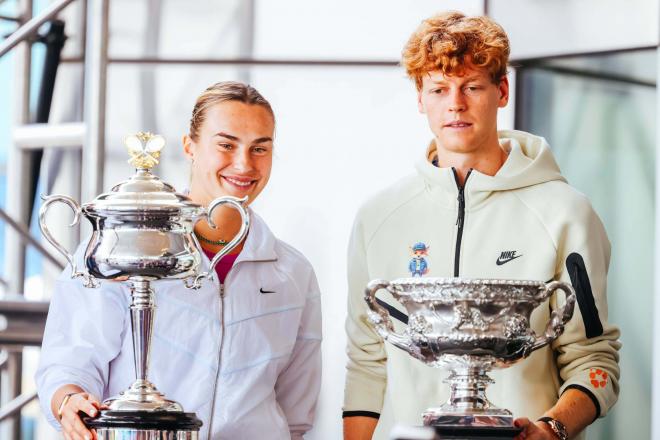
(468, 404)
(468, 389)
(142, 395)
(142, 316)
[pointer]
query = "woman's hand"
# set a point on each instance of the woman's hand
(72, 427)
(534, 430)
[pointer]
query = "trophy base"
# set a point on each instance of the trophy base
(454, 433)
(490, 424)
(144, 425)
(483, 418)
(477, 432)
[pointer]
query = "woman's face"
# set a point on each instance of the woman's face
(233, 153)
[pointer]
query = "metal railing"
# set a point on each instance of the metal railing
(28, 29)
(18, 206)
(15, 406)
(28, 238)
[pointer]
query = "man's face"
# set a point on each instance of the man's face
(462, 110)
(233, 154)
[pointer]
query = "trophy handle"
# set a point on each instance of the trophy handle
(237, 204)
(88, 281)
(380, 317)
(558, 318)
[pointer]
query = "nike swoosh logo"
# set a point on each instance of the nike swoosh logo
(501, 261)
(266, 291)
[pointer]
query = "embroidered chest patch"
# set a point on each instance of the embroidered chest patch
(418, 265)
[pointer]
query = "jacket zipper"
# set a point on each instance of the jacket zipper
(222, 339)
(460, 220)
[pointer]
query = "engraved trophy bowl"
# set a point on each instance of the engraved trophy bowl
(142, 231)
(468, 326)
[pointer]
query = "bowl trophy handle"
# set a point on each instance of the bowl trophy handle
(380, 318)
(237, 204)
(559, 317)
(88, 281)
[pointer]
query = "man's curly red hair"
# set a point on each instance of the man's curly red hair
(449, 41)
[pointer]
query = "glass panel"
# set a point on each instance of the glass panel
(603, 135)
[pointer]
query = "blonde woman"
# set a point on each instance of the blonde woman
(243, 352)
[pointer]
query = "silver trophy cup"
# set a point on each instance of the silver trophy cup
(468, 326)
(142, 232)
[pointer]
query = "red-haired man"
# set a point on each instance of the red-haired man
(488, 204)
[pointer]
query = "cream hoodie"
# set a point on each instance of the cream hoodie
(525, 222)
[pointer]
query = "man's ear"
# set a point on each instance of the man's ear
(503, 88)
(420, 104)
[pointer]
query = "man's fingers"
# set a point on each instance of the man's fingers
(523, 423)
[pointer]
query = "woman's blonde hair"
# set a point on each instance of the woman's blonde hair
(222, 92)
(447, 41)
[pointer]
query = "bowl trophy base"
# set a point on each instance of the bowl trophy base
(477, 432)
(144, 425)
(488, 424)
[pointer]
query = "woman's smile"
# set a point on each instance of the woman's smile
(239, 182)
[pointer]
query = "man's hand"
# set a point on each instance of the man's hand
(534, 430)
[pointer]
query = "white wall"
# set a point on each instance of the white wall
(343, 133)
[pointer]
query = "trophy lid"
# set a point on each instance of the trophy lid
(144, 190)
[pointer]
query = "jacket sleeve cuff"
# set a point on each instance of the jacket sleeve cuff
(373, 415)
(364, 393)
(598, 385)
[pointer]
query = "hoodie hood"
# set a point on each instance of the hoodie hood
(530, 162)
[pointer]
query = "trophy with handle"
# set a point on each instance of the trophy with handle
(469, 326)
(142, 231)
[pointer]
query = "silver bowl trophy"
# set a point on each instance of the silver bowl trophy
(143, 231)
(469, 326)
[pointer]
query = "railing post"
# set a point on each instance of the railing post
(18, 167)
(96, 65)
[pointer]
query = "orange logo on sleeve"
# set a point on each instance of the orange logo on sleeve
(598, 377)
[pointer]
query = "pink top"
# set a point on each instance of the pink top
(224, 265)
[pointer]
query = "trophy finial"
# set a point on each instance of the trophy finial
(144, 149)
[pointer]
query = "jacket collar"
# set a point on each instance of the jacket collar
(529, 162)
(259, 244)
(442, 183)
(260, 241)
